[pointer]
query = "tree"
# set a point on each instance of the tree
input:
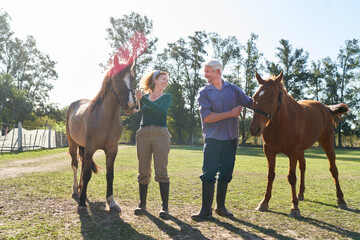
(30, 70)
(251, 64)
(225, 49)
(124, 28)
(14, 107)
(189, 55)
(120, 31)
(178, 115)
(293, 63)
(315, 80)
(5, 31)
(348, 62)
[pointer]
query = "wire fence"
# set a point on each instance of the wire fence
(16, 138)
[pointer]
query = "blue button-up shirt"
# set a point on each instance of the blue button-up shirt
(213, 100)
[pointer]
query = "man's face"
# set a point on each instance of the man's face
(209, 74)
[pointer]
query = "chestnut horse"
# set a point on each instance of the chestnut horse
(291, 127)
(96, 124)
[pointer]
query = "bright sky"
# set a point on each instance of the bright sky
(73, 32)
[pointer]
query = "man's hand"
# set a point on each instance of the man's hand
(215, 117)
(235, 112)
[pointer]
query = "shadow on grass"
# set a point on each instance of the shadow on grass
(245, 234)
(96, 223)
(250, 151)
(333, 206)
(186, 231)
(326, 226)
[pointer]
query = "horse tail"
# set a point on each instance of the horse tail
(337, 111)
(94, 167)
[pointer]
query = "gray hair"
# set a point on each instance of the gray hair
(215, 64)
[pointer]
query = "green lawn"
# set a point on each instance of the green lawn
(40, 205)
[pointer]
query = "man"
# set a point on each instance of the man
(220, 105)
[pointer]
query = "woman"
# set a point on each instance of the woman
(153, 138)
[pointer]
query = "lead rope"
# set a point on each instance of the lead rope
(138, 108)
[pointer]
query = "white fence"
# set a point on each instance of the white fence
(16, 138)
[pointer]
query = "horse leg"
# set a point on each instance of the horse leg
(74, 164)
(295, 212)
(302, 166)
(81, 159)
(110, 200)
(264, 204)
(328, 147)
(86, 175)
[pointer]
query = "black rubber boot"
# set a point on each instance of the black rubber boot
(207, 200)
(220, 200)
(164, 192)
(141, 209)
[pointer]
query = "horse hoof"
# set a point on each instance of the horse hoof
(262, 208)
(342, 206)
(295, 213)
(112, 205)
(301, 197)
(115, 208)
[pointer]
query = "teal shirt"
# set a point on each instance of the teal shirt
(155, 112)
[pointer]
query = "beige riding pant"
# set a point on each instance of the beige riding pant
(153, 142)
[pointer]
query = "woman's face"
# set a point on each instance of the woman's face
(161, 82)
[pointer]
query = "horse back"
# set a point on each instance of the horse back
(300, 126)
(76, 121)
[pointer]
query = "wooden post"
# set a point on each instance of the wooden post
(49, 137)
(20, 146)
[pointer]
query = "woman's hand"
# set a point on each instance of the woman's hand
(139, 94)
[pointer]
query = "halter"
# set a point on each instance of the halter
(117, 95)
(268, 115)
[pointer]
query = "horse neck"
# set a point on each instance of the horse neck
(288, 107)
(110, 103)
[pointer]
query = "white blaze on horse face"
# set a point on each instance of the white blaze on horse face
(261, 93)
(131, 102)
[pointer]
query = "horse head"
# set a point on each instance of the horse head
(122, 83)
(267, 102)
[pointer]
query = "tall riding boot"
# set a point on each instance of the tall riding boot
(220, 200)
(164, 192)
(141, 209)
(207, 200)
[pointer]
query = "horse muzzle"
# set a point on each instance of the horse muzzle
(130, 110)
(256, 128)
(256, 132)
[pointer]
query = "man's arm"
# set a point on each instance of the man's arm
(215, 117)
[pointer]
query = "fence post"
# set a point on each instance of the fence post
(20, 147)
(49, 137)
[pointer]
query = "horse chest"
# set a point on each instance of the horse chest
(278, 139)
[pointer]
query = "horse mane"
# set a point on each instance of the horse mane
(100, 96)
(105, 88)
(282, 85)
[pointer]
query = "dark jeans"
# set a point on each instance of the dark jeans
(219, 159)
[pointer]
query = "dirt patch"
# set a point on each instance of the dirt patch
(50, 163)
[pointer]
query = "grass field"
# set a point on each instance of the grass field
(39, 205)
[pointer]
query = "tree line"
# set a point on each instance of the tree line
(26, 76)
(25, 70)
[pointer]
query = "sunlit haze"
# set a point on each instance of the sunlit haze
(73, 32)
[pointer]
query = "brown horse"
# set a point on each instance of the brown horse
(96, 124)
(291, 127)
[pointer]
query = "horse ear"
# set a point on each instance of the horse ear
(259, 79)
(116, 61)
(279, 78)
